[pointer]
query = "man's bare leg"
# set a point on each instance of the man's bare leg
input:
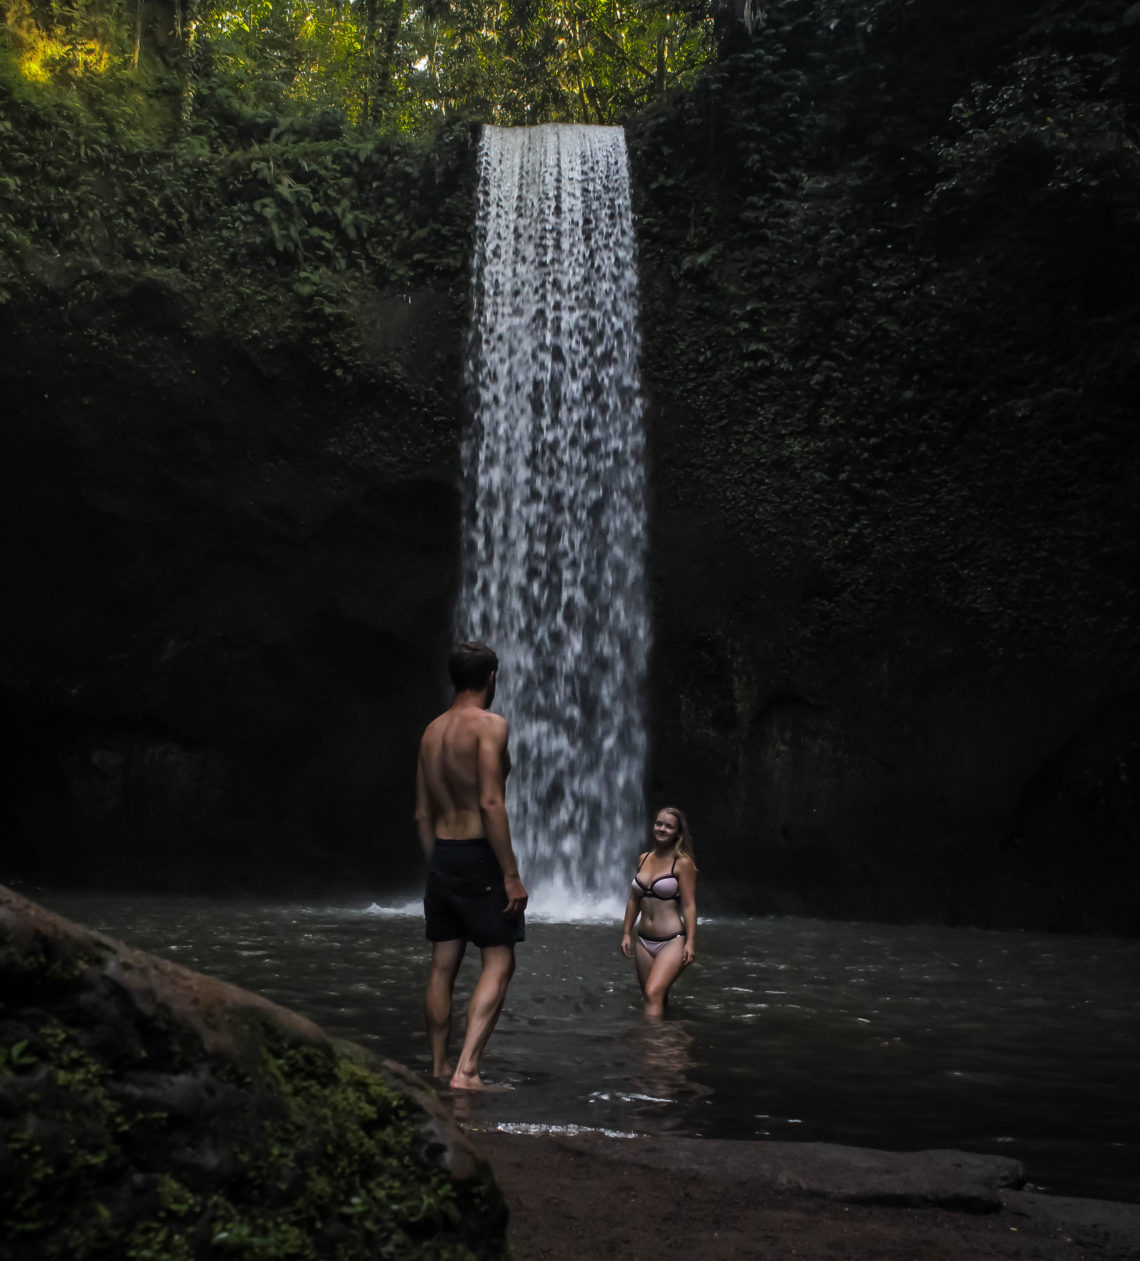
(446, 956)
(482, 1013)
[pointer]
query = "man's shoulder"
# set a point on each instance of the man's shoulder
(492, 724)
(479, 721)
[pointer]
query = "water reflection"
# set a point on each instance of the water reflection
(663, 1063)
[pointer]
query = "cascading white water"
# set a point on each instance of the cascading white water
(554, 545)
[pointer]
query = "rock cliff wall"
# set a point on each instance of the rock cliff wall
(895, 464)
(229, 580)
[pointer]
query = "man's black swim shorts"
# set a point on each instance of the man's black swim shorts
(466, 895)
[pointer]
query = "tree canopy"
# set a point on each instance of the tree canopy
(400, 64)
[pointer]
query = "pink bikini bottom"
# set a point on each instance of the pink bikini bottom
(655, 944)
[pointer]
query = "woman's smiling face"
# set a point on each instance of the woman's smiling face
(665, 827)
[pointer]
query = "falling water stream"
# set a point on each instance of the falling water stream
(553, 572)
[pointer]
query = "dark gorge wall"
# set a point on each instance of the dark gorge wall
(889, 256)
(231, 376)
(231, 529)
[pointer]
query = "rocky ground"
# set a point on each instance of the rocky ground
(590, 1196)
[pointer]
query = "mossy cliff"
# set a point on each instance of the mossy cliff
(229, 467)
(889, 256)
(147, 1111)
(888, 251)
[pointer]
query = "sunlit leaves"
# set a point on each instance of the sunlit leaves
(406, 66)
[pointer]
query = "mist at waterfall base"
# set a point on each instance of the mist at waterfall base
(880, 1036)
(553, 551)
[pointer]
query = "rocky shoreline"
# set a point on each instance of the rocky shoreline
(589, 1195)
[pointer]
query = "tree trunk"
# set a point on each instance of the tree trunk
(383, 75)
(367, 94)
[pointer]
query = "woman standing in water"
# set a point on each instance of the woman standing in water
(663, 901)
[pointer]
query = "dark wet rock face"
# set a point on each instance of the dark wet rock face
(227, 591)
(144, 1106)
(895, 464)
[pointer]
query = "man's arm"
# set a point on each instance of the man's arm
(490, 759)
(425, 828)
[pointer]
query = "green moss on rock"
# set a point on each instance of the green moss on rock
(123, 1135)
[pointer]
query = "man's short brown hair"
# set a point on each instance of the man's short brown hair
(471, 665)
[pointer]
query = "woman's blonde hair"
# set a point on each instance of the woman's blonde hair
(684, 841)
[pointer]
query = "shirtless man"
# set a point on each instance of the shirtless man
(473, 888)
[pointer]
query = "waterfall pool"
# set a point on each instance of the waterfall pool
(881, 1036)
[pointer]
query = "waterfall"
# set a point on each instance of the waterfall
(554, 541)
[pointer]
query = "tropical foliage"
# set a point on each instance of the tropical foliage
(388, 62)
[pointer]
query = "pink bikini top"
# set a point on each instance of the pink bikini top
(667, 888)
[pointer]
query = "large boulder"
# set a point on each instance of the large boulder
(147, 1110)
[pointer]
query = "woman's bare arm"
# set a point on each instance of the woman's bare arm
(687, 879)
(632, 907)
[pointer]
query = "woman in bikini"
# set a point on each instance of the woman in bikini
(663, 901)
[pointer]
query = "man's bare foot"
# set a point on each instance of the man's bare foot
(443, 1072)
(472, 1083)
(462, 1080)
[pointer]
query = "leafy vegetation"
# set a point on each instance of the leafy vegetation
(888, 251)
(401, 66)
(888, 255)
(285, 160)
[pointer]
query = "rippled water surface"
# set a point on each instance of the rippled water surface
(895, 1037)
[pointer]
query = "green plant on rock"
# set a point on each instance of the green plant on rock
(325, 1157)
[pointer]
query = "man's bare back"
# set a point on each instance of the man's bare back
(450, 754)
(461, 784)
